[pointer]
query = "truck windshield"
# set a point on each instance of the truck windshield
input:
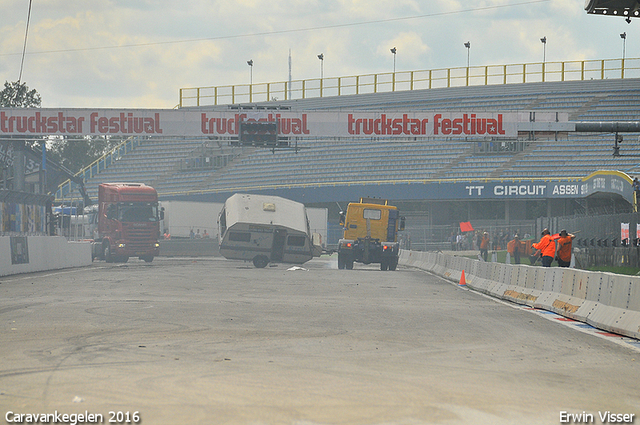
(372, 214)
(136, 212)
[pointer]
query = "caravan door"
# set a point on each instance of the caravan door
(277, 249)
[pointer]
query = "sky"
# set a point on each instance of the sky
(139, 53)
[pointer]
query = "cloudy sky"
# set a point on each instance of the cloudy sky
(139, 53)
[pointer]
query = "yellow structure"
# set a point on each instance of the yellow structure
(412, 80)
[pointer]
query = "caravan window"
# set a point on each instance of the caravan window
(372, 214)
(239, 237)
(296, 240)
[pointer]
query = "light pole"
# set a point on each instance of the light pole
(623, 36)
(544, 54)
(394, 51)
(321, 57)
(250, 63)
(468, 46)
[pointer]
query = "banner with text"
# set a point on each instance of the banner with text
(147, 122)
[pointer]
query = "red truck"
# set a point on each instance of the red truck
(128, 222)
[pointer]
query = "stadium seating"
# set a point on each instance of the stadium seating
(178, 165)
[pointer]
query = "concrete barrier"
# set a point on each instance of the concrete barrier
(189, 248)
(604, 300)
(27, 254)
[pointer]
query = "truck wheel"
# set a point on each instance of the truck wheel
(384, 264)
(341, 261)
(349, 264)
(393, 264)
(260, 261)
(147, 258)
(107, 253)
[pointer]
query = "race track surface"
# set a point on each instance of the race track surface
(212, 341)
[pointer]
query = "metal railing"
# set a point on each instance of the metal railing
(100, 164)
(412, 80)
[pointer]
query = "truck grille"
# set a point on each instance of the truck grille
(139, 238)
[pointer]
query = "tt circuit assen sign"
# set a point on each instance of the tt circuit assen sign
(127, 122)
(612, 182)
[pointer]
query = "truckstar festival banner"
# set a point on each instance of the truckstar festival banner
(380, 124)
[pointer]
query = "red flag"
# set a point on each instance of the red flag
(466, 226)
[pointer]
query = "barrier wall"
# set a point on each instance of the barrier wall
(604, 300)
(26, 254)
(190, 248)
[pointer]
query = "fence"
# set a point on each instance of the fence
(412, 80)
(600, 230)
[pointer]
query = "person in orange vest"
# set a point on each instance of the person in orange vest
(484, 246)
(563, 256)
(547, 248)
(514, 247)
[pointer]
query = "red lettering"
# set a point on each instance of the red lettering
(446, 126)
(436, 123)
(203, 124)
(115, 124)
(500, 130)
(457, 126)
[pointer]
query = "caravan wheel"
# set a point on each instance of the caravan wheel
(260, 261)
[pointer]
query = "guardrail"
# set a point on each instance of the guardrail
(412, 80)
(604, 300)
(29, 254)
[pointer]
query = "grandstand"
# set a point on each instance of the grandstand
(323, 171)
(179, 166)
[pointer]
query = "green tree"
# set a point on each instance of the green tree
(18, 95)
(73, 153)
(76, 153)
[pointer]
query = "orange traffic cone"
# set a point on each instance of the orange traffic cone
(463, 281)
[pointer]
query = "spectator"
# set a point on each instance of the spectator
(198, 235)
(191, 234)
(205, 234)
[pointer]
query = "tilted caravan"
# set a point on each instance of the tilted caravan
(265, 229)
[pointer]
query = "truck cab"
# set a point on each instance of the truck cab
(370, 234)
(128, 222)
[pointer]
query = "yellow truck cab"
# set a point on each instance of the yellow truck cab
(370, 234)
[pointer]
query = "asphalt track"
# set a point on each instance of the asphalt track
(211, 341)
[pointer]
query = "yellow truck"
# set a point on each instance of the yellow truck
(370, 234)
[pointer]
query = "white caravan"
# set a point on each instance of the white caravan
(265, 229)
